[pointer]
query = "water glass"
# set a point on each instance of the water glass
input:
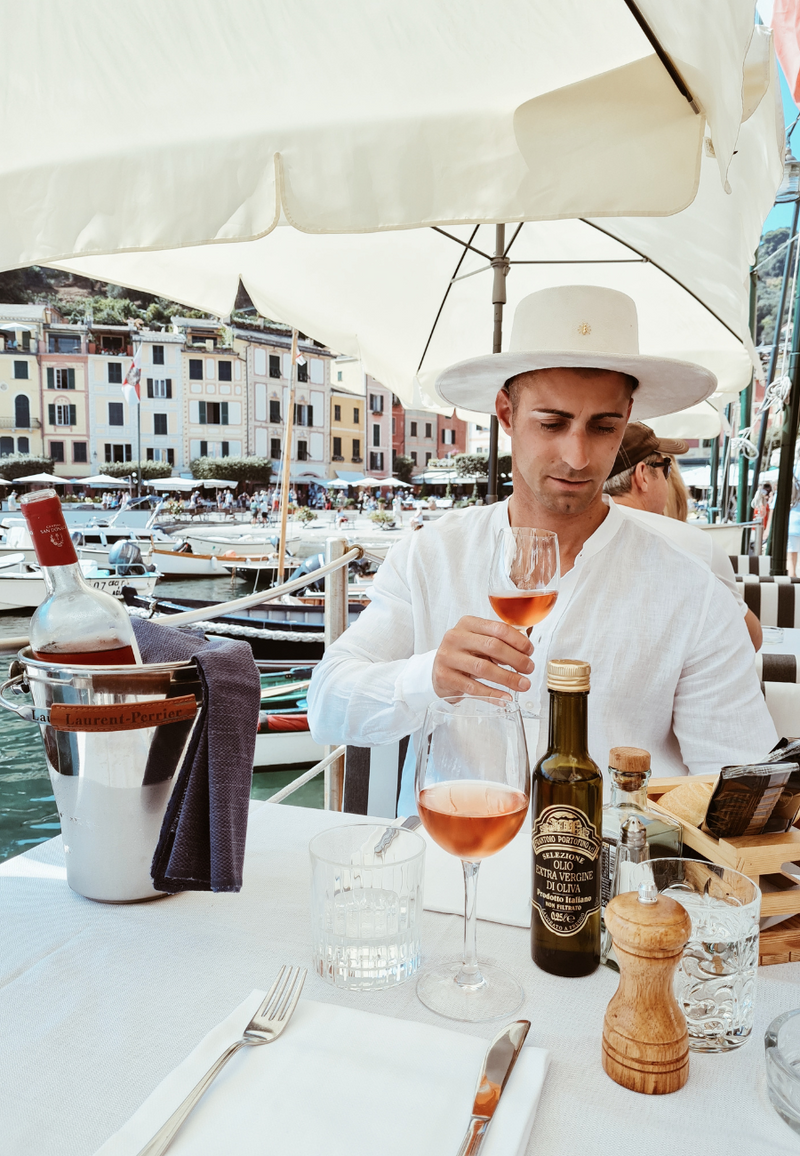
(715, 983)
(366, 905)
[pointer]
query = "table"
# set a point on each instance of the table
(99, 1002)
(790, 643)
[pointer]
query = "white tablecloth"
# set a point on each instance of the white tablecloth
(99, 1002)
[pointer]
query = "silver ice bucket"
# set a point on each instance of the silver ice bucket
(114, 739)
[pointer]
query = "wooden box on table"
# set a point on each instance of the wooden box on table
(760, 858)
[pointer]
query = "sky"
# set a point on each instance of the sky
(782, 214)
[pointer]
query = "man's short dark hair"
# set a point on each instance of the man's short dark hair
(512, 386)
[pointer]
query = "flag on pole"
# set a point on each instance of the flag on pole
(130, 386)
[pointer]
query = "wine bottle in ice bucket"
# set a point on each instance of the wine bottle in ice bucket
(75, 624)
(566, 813)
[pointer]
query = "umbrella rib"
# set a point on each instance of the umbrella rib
(662, 55)
(466, 244)
(467, 247)
(587, 261)
(666, 273)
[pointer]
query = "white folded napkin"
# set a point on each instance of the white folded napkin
(338, 1082)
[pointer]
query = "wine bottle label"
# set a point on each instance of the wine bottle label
(566, 857)
(49, 532)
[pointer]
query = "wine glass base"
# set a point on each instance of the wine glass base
(498, 995)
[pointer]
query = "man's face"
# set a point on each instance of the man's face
(566, 428)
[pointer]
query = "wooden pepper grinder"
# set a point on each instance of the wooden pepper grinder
(645, 1038)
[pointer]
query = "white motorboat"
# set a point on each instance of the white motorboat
(22, 584)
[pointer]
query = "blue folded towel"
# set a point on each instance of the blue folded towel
(201, 846)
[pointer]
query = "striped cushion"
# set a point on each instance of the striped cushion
(777, 667)
(773, 603)
(750, 563)
(372, 779)
(783, 703)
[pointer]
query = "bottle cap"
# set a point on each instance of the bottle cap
(630, 760)
(568, 674)
(45, 519)
(648, 892)
(633, 834)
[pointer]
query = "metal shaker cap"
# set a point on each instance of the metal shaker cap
(633, 833)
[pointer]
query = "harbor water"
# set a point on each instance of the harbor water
(28, 812)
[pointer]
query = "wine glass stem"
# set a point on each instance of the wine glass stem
(470, 975)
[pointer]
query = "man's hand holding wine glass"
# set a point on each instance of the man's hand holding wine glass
(477, 651)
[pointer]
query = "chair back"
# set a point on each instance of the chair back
(372, 779)
(773, 603)
(750, 563)
(783, 704)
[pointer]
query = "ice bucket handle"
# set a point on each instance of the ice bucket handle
(128, 716)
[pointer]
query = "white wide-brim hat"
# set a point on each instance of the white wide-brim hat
(578, 327)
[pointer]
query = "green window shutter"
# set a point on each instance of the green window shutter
(149, 387)
(201, 412)
(223, 413)
(169, 387)
(51, 409)
(70, 379)
(51, 379)
(73, 413)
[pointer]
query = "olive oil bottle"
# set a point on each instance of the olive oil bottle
(567, 808)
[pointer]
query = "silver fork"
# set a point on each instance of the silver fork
(265, 1026)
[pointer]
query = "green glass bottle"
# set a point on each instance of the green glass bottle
(567, 809)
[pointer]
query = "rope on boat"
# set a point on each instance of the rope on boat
(306, 777)
(238, 631)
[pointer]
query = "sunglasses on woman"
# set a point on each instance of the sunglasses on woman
(665, 465)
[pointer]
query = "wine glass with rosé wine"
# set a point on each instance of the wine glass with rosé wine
(523, 581)
(473, 787)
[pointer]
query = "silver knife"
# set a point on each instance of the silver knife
(497, 1067)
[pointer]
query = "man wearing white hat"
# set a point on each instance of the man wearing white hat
(672, 665)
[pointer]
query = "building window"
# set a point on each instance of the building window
(274, 365)
(356, 449)
(376, 403)
(118, 453)
(23, 446)
(337, 449)
(448, 437)
(427, 458)
(116, 413)
(338, 375)
(110, 342)
(6, 447)
(302, 415)
(22, 412)
(413, 456)
(302, 451)
(274, 447)
(356, 415)
(79, 452)
(159, 387)
(203, 449)
(225, 449)
(212, 412)
(376, 435)
(60, 378)
(62, 414)
(413, 433)
(275, 412)
(225, 370)
(21, 370)
(375, 461)
(57, 451)
(337, 413)
(63, 343)
(302, 371)
(159, 455)
(428, 430)
(160, 424)
(158, 355)
(394, 428)
(115, 372)
(195, 369)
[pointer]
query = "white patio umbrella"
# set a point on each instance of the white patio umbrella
(49, 479)
(407, 115)
(217, 484)
(102, 480)
(172, 483)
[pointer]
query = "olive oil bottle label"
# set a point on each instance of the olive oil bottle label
(566, 850)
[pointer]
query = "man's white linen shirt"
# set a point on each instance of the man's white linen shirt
(672, 663)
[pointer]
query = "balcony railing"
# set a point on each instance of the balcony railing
(11, 423)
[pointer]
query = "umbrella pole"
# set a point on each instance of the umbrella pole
(287, 456)
(776, 337)
(714, 463)
(745, 422)
(500, 265)
(791, 415)
(726, 463)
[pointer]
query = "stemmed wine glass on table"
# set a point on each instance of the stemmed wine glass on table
(524, 576)
(473, 788)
